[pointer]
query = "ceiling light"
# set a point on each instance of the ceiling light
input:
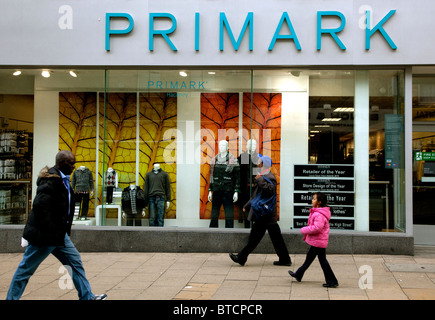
(45, 74)
(17, 73)
(331, 119)
(350, 109)
(211, 72)
(183, 74)
(73, 74)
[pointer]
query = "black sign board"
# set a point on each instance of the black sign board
(324, 171)
(324, 185)
(332, 198)
(341, 224)
(336, 211)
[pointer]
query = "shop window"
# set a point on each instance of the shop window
(16, 147)
(386, 151)
(423, 145)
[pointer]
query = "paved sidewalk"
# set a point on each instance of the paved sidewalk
(213, 276)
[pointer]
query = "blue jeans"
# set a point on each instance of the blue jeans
(157, 210)
(34, 255)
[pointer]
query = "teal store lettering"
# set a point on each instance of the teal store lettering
(248, 28)
(191, 85)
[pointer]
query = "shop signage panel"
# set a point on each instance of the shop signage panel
(324, 185)
(336, 211)
(333, 198)
(336, 182)
(338, 224)
(393, 140)
(324, 170)
(169, 33)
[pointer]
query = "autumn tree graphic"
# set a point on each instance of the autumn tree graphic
(219, 121)
(157, 133)
(263, 123)
(77, 129)
(118, 132)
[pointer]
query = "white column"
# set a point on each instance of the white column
(361, 152)
(408, 152)
(188, 165)
(46, 132)
(294, 149)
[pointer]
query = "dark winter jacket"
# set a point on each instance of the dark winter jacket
(133, 202)
(267, 189)
(224, 174)
(49, 220)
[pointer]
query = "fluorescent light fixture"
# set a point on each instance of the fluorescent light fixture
(331, 119)
(350, 109)
(183, 74)
(73, 73)
(16, 73)
(211, 72)
(45, 73)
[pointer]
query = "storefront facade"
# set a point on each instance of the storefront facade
(340, 105)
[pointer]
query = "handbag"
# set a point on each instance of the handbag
(263, 205)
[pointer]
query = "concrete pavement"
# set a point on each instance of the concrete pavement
(213, 276)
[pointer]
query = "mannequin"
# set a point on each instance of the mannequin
(111, 183)
(133, 204)
(248, 170)
(157, 190)
(82, 183)
(224, 185)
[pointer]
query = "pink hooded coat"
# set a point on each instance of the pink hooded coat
(316, 233)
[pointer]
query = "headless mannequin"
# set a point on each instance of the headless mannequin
(133, 219)
(110, 188)
(155, 169)
(92, 191)
(223, 150)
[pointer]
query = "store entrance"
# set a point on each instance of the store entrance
(423, 143)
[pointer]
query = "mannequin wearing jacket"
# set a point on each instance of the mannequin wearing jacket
(82, 183)
(133, 204)
(224, 185)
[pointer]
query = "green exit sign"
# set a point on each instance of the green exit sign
(425, 156)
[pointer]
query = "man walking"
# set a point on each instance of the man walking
(48, 229)
(265, 184)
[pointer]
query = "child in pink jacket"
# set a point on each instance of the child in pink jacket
(316, 234)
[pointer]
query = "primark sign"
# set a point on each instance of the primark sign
(329, 24)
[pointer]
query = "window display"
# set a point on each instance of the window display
(336, 131)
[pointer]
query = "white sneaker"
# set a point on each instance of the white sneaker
(100, 297)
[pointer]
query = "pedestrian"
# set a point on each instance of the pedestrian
(316, 234)
(265, 222)
(48, 229)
